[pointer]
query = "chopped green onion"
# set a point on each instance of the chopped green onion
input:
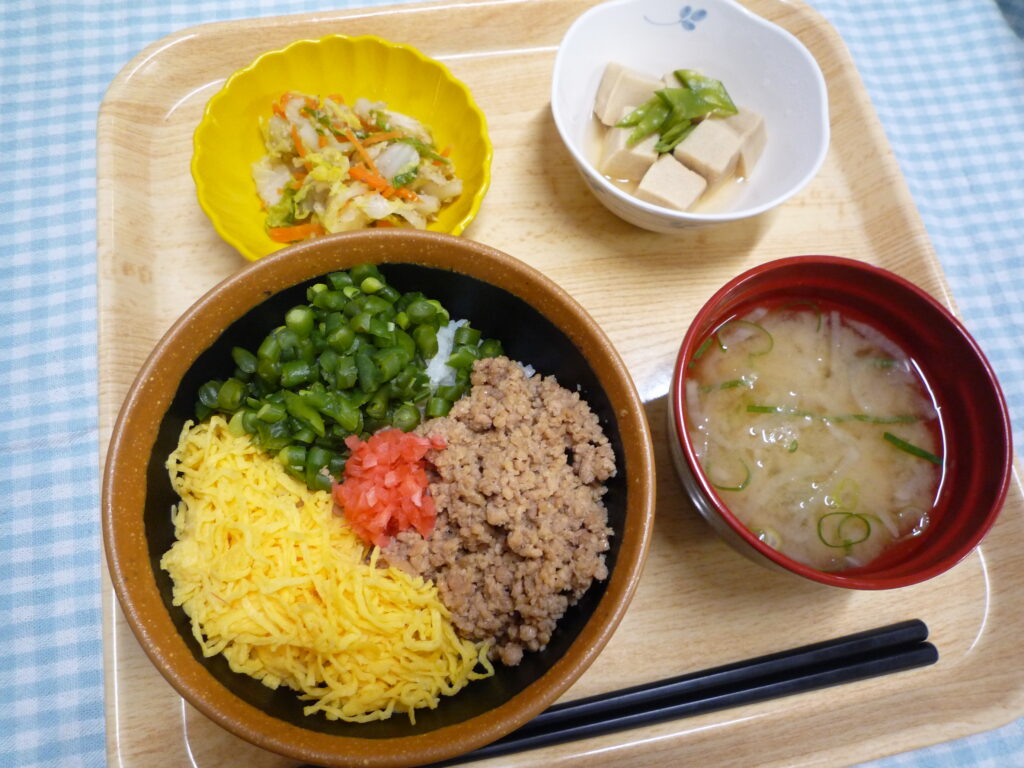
(700, 351)
(912, 449)
(743, 484)
(733, 383)
(734, 327)
(903, 419)
(837, 539)
(861, 417)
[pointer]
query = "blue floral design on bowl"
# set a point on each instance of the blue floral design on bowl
(688, 18)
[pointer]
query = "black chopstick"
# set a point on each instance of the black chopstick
(859, 656)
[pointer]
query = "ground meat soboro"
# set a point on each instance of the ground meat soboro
(521, 529)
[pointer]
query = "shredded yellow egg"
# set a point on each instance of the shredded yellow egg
(279, 585)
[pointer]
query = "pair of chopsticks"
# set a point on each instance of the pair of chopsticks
(858, 656)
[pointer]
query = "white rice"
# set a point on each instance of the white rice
(438, 371)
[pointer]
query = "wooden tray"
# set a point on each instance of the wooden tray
(699, 604)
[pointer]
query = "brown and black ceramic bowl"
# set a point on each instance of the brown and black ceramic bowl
(538, 323)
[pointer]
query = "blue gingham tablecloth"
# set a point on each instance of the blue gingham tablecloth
(947, 79)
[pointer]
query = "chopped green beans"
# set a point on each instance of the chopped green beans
(407, 417)
(296, 372)
(371, 285)
(437, 406)
(230, 394)
(426, 339)
(463, 357)
(350, 361)
(300, 320)
(467, 335)
(491, 348)
(244, 359)
(420, 311)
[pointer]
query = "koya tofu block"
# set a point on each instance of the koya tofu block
(712, 149)
(749, 126)
(620, 87)
(621, 161)
(671, 184)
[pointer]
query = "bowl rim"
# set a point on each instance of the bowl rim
(592, 175)
(681, 437)
(123, 495)
(198, 149)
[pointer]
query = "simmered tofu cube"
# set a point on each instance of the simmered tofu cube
(619, 87)
(749, 126)
(671, 184)
(712, 149)
(621, 161)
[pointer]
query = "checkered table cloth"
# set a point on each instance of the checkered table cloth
(947, 79)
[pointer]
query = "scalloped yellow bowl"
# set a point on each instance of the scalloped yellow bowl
(227, 140)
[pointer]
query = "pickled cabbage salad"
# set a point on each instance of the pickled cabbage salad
(331, 167)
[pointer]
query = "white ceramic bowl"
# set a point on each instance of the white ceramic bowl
(764, 68)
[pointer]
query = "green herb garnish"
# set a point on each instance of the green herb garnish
(743, 484)
(852, 529)
(912, 449)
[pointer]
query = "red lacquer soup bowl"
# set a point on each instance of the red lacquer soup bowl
(972, 429)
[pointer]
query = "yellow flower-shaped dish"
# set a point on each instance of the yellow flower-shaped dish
(228, 141)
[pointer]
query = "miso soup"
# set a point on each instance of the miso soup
(817, 431)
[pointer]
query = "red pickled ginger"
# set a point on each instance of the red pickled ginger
(385, 488)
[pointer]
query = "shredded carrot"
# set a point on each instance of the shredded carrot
(336, 97)
(299, 146)
(383, 223)
(279, 111)
(322, 140)
(407, 194)
(382, 136)
(361, 150)
(295, 233)
(374, 179)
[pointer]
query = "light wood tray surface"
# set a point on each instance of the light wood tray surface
(699, 604)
